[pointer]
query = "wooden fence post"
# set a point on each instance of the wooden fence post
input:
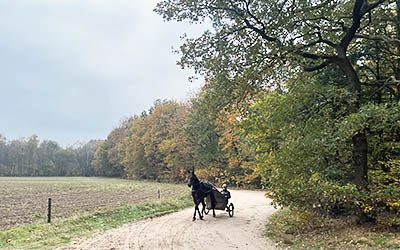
(49, 211)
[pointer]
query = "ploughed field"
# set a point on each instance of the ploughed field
(24, 200)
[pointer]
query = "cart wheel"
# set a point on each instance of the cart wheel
(206, 211)
(230, 209)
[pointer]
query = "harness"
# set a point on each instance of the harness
(202, 189)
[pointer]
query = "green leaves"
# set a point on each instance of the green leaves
(304, 140)
(374, 118)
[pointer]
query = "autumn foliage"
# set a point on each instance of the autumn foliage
(170, 138)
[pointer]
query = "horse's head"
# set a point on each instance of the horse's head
(193, 181)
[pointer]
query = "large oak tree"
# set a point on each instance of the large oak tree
(260, 43)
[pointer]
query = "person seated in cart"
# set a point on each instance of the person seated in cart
(225, 193)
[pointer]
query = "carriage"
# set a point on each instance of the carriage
(206, 193)
(221, 203)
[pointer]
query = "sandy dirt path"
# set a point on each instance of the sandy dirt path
(177, 231)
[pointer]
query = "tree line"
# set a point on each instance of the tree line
(170, 138)
(31, 157)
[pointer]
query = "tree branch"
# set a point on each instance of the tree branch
(259, 31)
(371, 6)
(359, 10)
(378, 38)
(344, 43)
(312, 56)
(316, 67)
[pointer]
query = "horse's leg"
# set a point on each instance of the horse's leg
(195, 206)
(213, 201)
(204, 207)
(194, 215)
(202, 203)
(198, 210)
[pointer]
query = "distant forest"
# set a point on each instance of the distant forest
(160, 144)
(31, 157)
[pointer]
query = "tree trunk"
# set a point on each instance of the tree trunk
(397, 72)
(359, 140)
(360, 159)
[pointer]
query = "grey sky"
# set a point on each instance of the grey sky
(72, 69)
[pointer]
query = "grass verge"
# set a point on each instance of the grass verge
(48, 236)
(301, 230)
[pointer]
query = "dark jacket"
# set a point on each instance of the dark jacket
(226, 193)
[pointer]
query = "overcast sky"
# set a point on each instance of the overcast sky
(70, 70)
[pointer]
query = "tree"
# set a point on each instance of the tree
(347, 48)
(47, 158)
(200, 129)
(177, 148)
(237, 149)
(256, 41)
(101, 163)
(31, 155)
(135, 164)
(308, 154)
(3, 156)
(219, 149)
(151, 144)
(85, 154)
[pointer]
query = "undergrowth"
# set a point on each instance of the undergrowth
(292, 229)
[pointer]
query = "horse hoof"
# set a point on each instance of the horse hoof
(193, 219)
(201, 218)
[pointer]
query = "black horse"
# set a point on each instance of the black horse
(200, 190)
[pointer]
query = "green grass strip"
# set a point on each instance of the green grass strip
(48, 236)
